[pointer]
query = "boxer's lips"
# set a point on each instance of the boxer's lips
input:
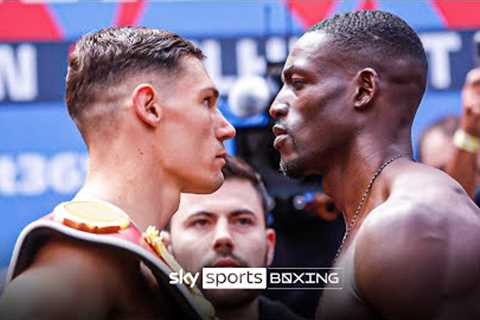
(281, 136)
(225, 263)
(280, 141)
(222, 157)
(279, 130)
(222, 154)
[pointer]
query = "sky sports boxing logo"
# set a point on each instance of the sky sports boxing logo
(262, 278)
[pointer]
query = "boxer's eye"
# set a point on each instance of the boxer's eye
(297, 83)
(209, 102)
(243, 221)
(199, 223)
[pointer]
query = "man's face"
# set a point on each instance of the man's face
(193, 130)
(312, 107)
(222, 229)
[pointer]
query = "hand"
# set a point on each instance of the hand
(470, 121)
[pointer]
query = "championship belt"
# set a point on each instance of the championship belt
(101, 222)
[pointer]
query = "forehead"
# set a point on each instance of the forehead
(190, 77)
(310, 50)
(233, 195)
(190, 65)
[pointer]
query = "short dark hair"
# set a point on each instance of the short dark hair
(237, 168)
(103, 58)
(378, 30)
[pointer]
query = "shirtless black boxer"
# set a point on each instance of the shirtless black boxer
(352, 85)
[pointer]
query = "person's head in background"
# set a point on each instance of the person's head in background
(436, 143)
(227, 228)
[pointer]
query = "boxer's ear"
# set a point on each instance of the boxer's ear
(145, 104)
(271, 238)
(366, 81)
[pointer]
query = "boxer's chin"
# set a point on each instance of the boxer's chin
(215, 182)
(207, 182)
(292, 168)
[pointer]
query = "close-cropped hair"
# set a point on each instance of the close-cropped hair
(375, 30)
(104, 58)
(237, 168)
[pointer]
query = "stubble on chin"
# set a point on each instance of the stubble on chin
(292, 169)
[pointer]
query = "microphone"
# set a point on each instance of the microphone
(249, 96)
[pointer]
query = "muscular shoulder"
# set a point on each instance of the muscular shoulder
(66, 277)
(426, 186)
(424, 203)
(421, 248)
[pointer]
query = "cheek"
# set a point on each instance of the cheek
(196, 123)
(306, 109)
(253, 248)
(207, 120)
(205, 132)
(301, 129)
(315, 113)
(189, 249)
(328, 95)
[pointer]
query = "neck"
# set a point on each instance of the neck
(246, 311)
(136, 186)
(347, 179)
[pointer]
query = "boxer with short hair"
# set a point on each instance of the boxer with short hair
(411, 250)
(146, 109)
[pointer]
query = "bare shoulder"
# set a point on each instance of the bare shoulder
(422, 198)
(428, 186)
(67, 277)
(422, 243)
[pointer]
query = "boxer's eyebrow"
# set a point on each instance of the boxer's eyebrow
(238, 212)
(202, 213)
(286, 73)
(290, 70)
(211, 90)
(198, 215)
